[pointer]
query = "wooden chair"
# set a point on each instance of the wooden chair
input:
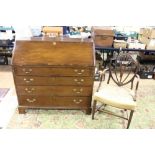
(123, 71)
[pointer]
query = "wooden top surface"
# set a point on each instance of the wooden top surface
(56, 52)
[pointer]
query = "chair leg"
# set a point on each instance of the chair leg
(130, 117)
(94, 108)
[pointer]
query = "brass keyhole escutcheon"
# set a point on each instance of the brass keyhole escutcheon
(54, 43)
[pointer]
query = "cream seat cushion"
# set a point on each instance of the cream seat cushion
(116, 96)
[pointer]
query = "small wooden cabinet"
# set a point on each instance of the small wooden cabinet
(54, 73)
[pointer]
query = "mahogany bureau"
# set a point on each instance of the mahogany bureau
(53, 73)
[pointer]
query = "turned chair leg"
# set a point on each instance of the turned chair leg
(94, 108)
(130, 117)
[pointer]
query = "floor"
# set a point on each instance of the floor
(7, 107)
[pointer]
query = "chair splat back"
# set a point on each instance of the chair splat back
(123, 69)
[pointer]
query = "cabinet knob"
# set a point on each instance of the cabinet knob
(30, 100)
(77, 101)
(27, 71)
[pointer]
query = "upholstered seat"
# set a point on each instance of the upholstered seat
(116, 96)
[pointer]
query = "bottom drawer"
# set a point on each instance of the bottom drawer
(72, 101)
(49, 101)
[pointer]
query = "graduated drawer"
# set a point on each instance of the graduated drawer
(48, 101)
(34, 80)
(51, 71)
(55, 90)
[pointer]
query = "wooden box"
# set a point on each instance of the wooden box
(54, 74)
(103, 36)
(120, 43)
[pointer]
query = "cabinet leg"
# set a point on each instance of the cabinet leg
(21, 110)
(88, 111)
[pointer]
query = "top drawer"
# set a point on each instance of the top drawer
(51, 71)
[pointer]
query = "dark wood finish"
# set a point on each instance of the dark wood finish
(54, 74)
(94, 108)
(130, 118)
(106, 41)
(62, 53)
(49, 101)
(103, 36)
(34, 80)
(122, 70)
(55, 90)
(21, 110)
(54, 71)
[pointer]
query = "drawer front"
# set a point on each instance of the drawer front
(72, 102)
(55, 90)
(34, 80)
(58, 102)
(34, 100)
(47, 71)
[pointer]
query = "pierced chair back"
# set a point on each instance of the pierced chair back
(123, 69)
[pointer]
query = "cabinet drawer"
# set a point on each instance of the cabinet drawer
(50, 71)
(72, 102)
(55, 90)
(34, 100)
(34, 80)
(60, 102)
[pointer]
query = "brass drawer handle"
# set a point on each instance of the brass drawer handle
(29, 90)
(77, 101)
(79, 72)
(79, 81)
(27, 71)
(28, 81)
(78, 91)
(30, 100)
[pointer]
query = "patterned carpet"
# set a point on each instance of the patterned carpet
(143, 118)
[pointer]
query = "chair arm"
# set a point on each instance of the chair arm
(137, 84)
(102, 77)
